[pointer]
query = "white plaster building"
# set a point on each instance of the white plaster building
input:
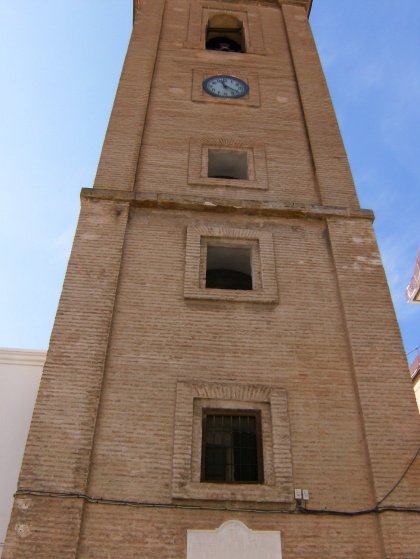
(415, 375)
(20, 373)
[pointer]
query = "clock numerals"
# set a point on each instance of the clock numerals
(225, 87)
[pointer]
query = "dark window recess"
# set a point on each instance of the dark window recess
(225, 33)
(225, 164)
(228, 267)
(231, 447)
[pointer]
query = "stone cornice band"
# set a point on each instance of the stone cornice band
(266, 208)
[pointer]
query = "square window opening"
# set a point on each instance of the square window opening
(231, 451)
(226, 164)
(229, 267)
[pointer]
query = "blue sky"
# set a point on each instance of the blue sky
(59, 66)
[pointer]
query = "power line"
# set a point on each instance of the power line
(413, 350)
(377, 509)
(295, 510)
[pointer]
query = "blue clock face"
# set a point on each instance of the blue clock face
(225, 86)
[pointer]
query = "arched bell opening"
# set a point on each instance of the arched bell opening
(225, 33)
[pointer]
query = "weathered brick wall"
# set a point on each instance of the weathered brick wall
(378, 357)
(58, 450)
(332, 170)
(125, 335)
(162, 533)
(61, 432)
(120, 152)
(159, 338)
(45, 528)
(174, 120)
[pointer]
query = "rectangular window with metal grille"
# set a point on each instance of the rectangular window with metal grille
(231, 446)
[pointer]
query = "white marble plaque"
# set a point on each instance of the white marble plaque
(233, 540)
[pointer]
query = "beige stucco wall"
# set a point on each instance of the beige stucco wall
(417, 391)
(20, 373)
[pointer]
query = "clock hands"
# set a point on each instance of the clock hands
(228, 87)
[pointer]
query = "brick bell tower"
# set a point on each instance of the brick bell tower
(225, 376)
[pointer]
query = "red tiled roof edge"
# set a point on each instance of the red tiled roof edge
(415, 367)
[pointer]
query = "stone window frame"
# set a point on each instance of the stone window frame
(249, 15)
(262, 262)
(251, 99)
(198, 163)
(271, 403)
